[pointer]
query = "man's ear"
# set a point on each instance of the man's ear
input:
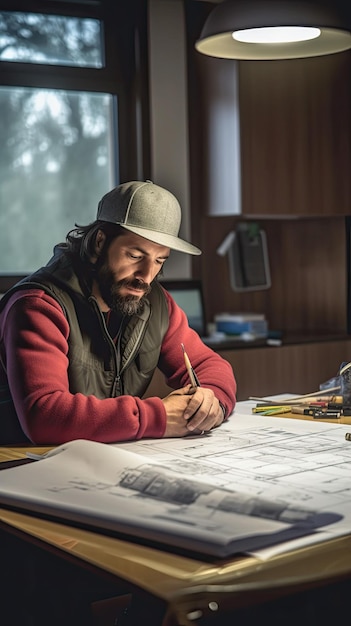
(99, 242)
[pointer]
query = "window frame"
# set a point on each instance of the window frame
(124, 75)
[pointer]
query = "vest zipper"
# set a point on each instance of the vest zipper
(117, 378)
(119, 370)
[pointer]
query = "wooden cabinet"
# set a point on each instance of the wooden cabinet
(295, 140)
(270, 138)
(298, 368)
(295, 157)
(295, 126)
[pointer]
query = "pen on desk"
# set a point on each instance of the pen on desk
(320, 415)
(271, 407)
(192, 375)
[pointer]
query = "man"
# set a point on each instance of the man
(81, 338)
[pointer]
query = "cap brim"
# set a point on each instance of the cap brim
(163, 239)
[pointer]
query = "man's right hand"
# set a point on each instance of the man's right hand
(175, 404)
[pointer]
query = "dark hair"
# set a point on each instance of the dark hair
(81, 240)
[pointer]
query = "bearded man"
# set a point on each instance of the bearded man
(81, 337)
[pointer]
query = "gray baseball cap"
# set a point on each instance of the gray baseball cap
(146, 210)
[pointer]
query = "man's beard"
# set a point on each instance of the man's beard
(111, 292)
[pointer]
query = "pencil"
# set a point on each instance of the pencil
(271, 407)
(278, 410)
(315, 395)
(193, 378)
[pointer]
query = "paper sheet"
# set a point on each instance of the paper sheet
(260, 485)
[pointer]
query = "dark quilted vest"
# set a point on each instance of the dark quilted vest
(95, 367)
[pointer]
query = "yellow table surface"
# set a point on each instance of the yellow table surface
(178, 579)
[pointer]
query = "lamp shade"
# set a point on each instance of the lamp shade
(330, 30)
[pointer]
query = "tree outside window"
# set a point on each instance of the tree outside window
(57, 156)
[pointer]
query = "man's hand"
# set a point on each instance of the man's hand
(191, 410)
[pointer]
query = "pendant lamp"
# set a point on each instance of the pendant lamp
(264, 30)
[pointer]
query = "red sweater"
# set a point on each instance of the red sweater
(34, 351)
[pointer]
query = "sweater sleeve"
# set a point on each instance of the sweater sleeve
(34, 351)
(213, 371)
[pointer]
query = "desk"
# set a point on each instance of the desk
(183, 591)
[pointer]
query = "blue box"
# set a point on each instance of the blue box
(239, 324)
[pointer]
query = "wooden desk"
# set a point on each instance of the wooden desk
(182, 591)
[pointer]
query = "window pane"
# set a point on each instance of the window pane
(56, 161)
(51, 39)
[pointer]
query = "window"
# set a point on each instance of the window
(50, 39)
(55, 166)
(67, 88)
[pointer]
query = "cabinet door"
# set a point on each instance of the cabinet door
(299, 368)
(295, 136)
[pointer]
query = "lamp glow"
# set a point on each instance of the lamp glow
(276, 34)
(309, 29)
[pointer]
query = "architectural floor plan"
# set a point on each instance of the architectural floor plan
(258, 484)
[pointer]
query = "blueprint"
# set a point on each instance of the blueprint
(303, 463)
(258, 485)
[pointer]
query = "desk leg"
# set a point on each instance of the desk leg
(143, 609)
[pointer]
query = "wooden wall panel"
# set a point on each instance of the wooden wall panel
(287, 369)
(295, 136)
(295, 128)
(308, 272)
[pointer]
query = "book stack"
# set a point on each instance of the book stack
(239, 323)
